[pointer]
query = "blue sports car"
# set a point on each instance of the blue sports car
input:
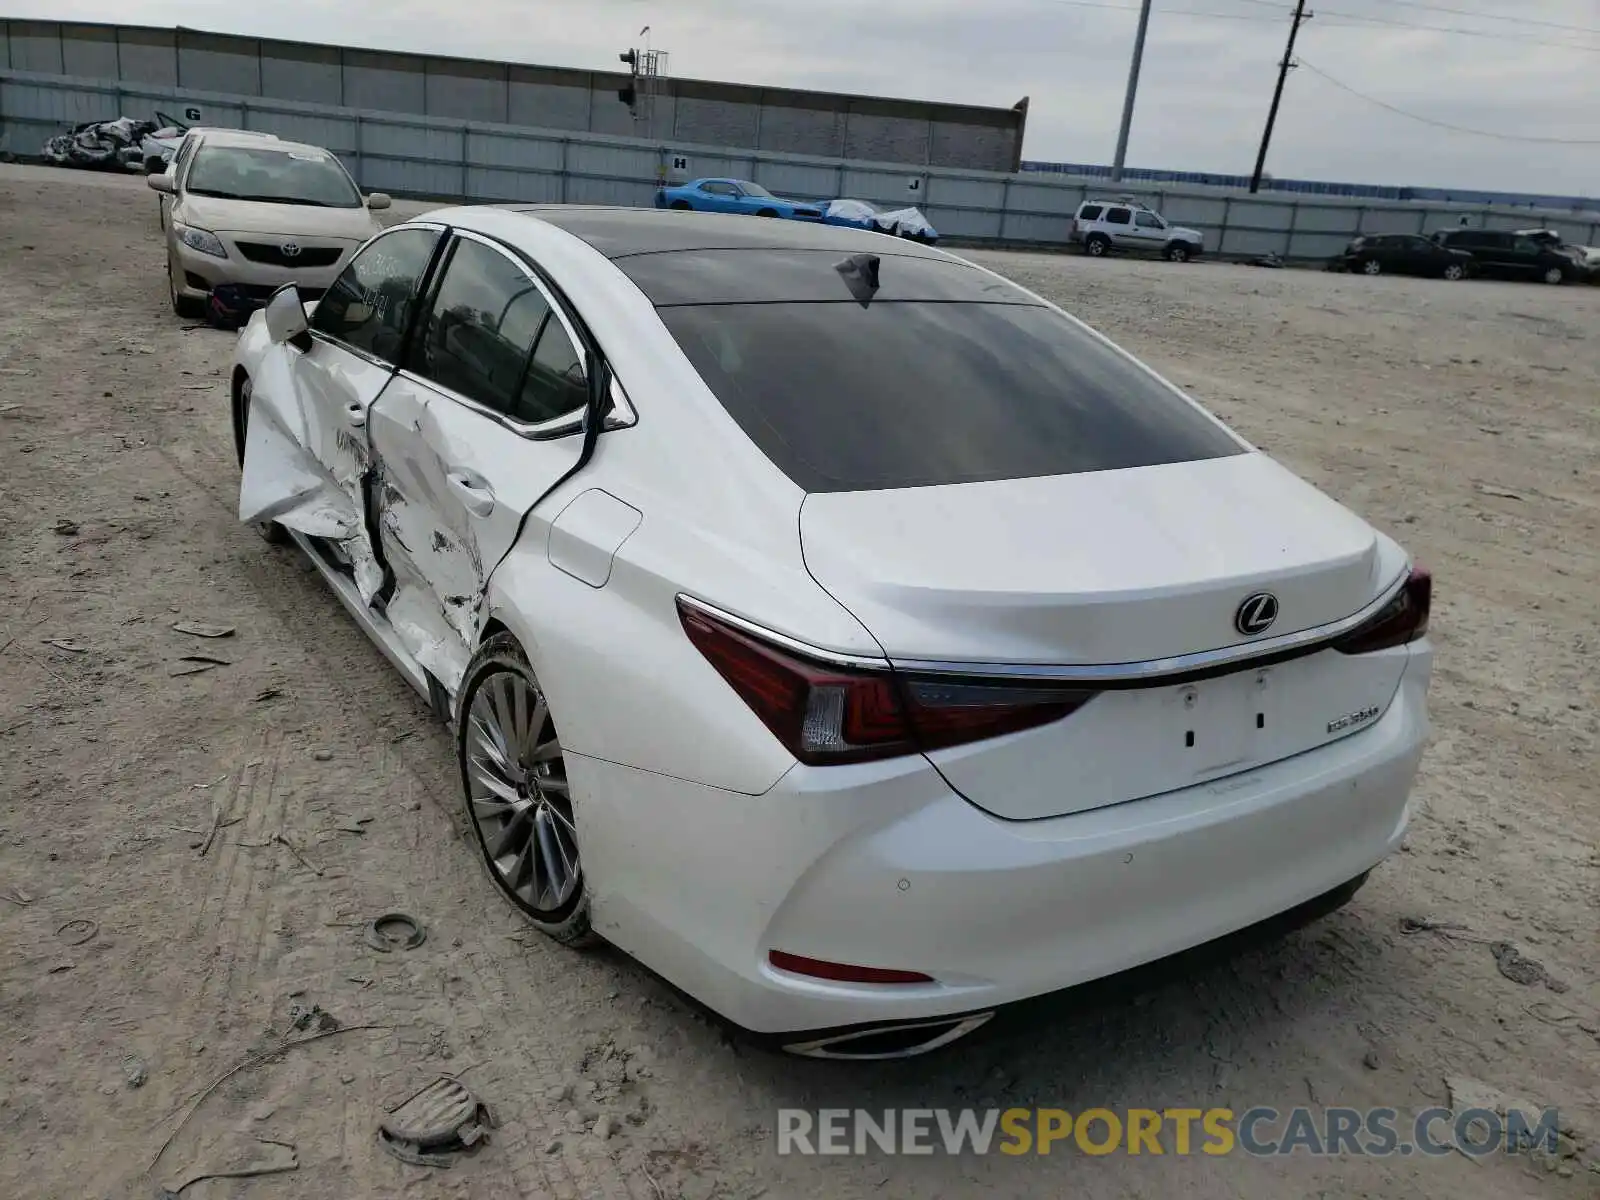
(735, 196)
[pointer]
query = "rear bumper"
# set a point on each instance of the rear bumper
(882, 865)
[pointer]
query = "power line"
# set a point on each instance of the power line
(1342, 19)
(1168, 12)
(1510, 137)
(1517, 19)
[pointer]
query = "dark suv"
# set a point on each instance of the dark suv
(1404, 254)
(1513, 255)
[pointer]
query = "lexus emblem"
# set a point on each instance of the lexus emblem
(290, 249)
(1256, 614)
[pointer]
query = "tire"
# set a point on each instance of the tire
(767, 212)
(1097, 245)
(1555, 275)
(520, 839)
(1454, 272)
(681, 206)
(273, 533)
(1372, 267)
(1179, 252)
(186, 307)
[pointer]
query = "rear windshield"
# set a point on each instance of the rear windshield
(914, 393)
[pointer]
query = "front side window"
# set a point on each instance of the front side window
(718, 189)
(369, 305)
(915, 393)
(755, 189)
(1118, 216)
(276, 175)
(1148, 221)
(492, 337)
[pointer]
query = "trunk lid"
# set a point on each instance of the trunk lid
(1117, 567)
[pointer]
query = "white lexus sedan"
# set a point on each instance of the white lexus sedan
(850, 635)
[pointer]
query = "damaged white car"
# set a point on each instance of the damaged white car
(845, 632)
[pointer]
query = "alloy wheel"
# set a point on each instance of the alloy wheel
(518, 793)
(1453, 272)
(1554, 275)
(1372, 267)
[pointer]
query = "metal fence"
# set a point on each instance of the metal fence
(482, 162)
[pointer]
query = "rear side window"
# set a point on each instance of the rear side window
(492, 337)
(1118, 216)
(913, 393)
(369, 305)
(1090, 212)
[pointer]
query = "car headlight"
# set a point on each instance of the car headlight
(201, 240)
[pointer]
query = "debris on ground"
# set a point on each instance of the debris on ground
(436, 1124)
(66, 528)
(134, 1071)
(295, 850)
(255, 1060)
(395, 931)
(18, 897)
(197, 629)
(1519, 968)
(1503, 493)
(292, 1162)
(268, 694)
(67, 644)
(301, 1017)
(78, 931)
(322, 755)
(1267, 260)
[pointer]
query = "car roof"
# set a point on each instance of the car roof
(624, 232)
(246, 137)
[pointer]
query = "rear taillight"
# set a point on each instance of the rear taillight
(1404, 619)
(824, 714)
(819, 968)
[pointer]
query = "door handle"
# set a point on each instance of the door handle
(475, 492)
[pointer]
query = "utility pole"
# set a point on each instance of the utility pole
(1133, 88)
(1300, 14)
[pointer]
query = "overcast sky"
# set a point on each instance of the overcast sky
(1203, 95)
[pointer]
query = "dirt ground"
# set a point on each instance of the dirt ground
(1463, 418)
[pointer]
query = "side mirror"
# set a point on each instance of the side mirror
(378, 201)
(161, 183)
(286, 315)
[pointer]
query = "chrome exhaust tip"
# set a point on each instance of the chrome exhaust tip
(890, 1041)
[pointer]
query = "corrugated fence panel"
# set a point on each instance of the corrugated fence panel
(1257, 215)
(525, 153)
(1195, 210)
(394, 140)
(1040, 198)
(621, 162)
(417, 178)
(1319, 218)
(65, 107)
(534, 188)
(792, 179)
(1317, 245)
(1249, 242)
(336, 133)
(610, 191)
(963, 222)
(1394, 220)
(879, 185)
(5, 44)
(964, 193)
